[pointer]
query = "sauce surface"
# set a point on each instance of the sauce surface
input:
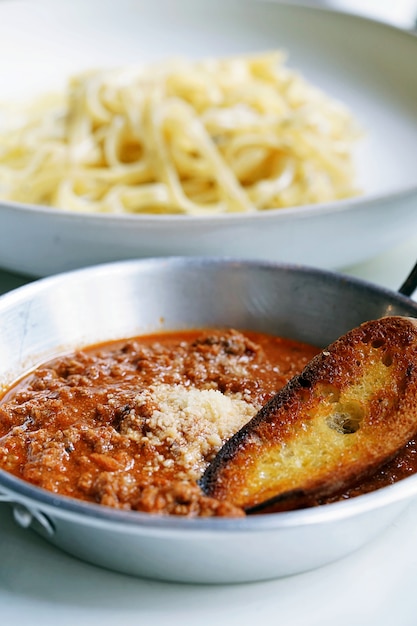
(133, 424)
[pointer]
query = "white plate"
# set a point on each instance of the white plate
(368, 65)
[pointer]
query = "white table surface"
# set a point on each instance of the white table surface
(373, 587)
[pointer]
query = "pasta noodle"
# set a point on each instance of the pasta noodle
(239, 134)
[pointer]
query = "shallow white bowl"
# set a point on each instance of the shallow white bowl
(368, 65)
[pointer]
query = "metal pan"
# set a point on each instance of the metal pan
(128, 298)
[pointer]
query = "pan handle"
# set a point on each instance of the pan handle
(25, 516)
(410, 284)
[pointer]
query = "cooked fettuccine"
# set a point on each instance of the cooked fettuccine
(239, 134)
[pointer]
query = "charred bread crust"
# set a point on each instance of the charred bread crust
(350, 410)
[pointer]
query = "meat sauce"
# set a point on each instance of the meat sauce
(133, 424)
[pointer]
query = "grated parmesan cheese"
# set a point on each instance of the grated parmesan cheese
(192, 424)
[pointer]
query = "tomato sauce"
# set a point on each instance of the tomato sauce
(133, 424)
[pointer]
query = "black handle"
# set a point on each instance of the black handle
(410, 284)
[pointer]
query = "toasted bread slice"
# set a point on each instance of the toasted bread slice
(350, 410)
